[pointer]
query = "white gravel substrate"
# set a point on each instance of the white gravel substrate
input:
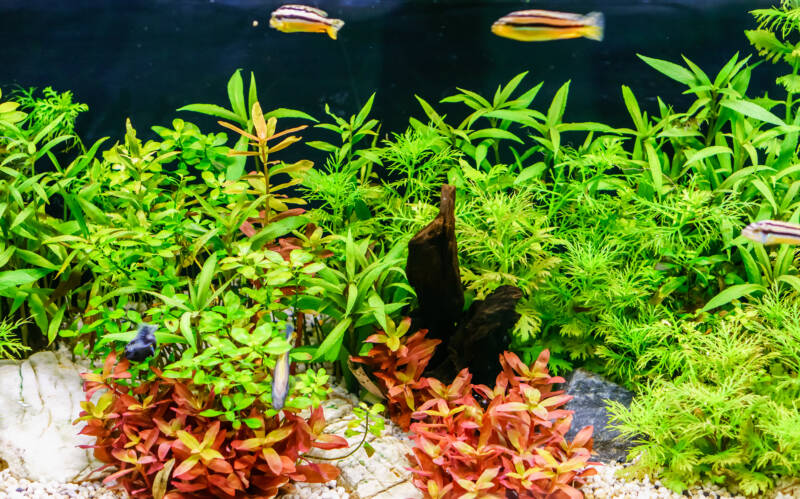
(604, 485)
(13, 488)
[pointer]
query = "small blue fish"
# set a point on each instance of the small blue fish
(280, 376)
(143, 345)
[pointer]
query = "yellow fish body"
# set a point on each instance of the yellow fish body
(771, 232)
(544, 25)
(301, 18)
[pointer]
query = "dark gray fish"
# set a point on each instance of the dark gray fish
(143, 345)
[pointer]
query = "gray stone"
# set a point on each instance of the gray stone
(590, 393)
(40, 398)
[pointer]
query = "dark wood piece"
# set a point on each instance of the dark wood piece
(484, 333)
(432, 270)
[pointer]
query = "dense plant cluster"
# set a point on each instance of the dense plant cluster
(161, 437)
(474, 441)
(624, 242)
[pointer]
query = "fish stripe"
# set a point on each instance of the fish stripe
(543, 24)
(303, 8)
(310, 18)
(545, 14)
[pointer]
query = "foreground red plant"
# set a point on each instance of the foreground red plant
(162, 446)
(472, 441)
(398, 364)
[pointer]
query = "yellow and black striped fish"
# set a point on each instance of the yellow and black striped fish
(544, 25)
(302, 18)
(772, 232)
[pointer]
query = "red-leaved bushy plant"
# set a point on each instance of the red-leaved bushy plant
(398, 362)
(154, 434)
(472, 441)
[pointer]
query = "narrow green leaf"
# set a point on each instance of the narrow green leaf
(362, 115)
(329, 348)
(204, 280)
(706, 153)
(752, 110)
(283, 112)
(670, 69)
(213, 110)
(236, 96)
(55, 324)
(731, 293)
(556, 110)
(277, 229)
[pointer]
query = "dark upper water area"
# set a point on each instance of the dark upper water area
(145, 58)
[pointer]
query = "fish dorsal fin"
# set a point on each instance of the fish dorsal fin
(306, 8)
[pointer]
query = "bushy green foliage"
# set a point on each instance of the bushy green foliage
(52, 106)
(11, 345)
(729, 415)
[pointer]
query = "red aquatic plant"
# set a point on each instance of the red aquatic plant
(162, 447)
(473, 441)
(398, 363)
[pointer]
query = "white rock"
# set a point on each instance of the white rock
(40, 397)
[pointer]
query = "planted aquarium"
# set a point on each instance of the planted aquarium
(400, 249)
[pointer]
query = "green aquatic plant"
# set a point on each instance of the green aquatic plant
(240, 114)
(730, 414)
(11, 345)
(51, 107)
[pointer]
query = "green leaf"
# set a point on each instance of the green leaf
(277, 229)
(235, 169)
(655, 166)
(707, 152)
(633, 108)
(283, 112)
(15, 278)
(494, 133)
(204, 280)
(236, 96)
(252, 93)
(791, 280)
(329, 348)
(752, 110)
(556, 110)
(731, 293)
(502, 95)
(35, 259)
(186, 329)
(362, 115)
(213, 110)
(670, 69)
(55, 324)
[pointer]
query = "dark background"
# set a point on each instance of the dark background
(145, 58)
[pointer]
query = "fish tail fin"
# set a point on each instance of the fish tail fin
(595, 25)
(334, 27)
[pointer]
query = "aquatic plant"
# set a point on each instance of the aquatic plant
(516, 442)
(11, 346)
(51, 107)
(728, 414)
(472, 440)
(163, 442)
(398, 362)
(366, 293)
